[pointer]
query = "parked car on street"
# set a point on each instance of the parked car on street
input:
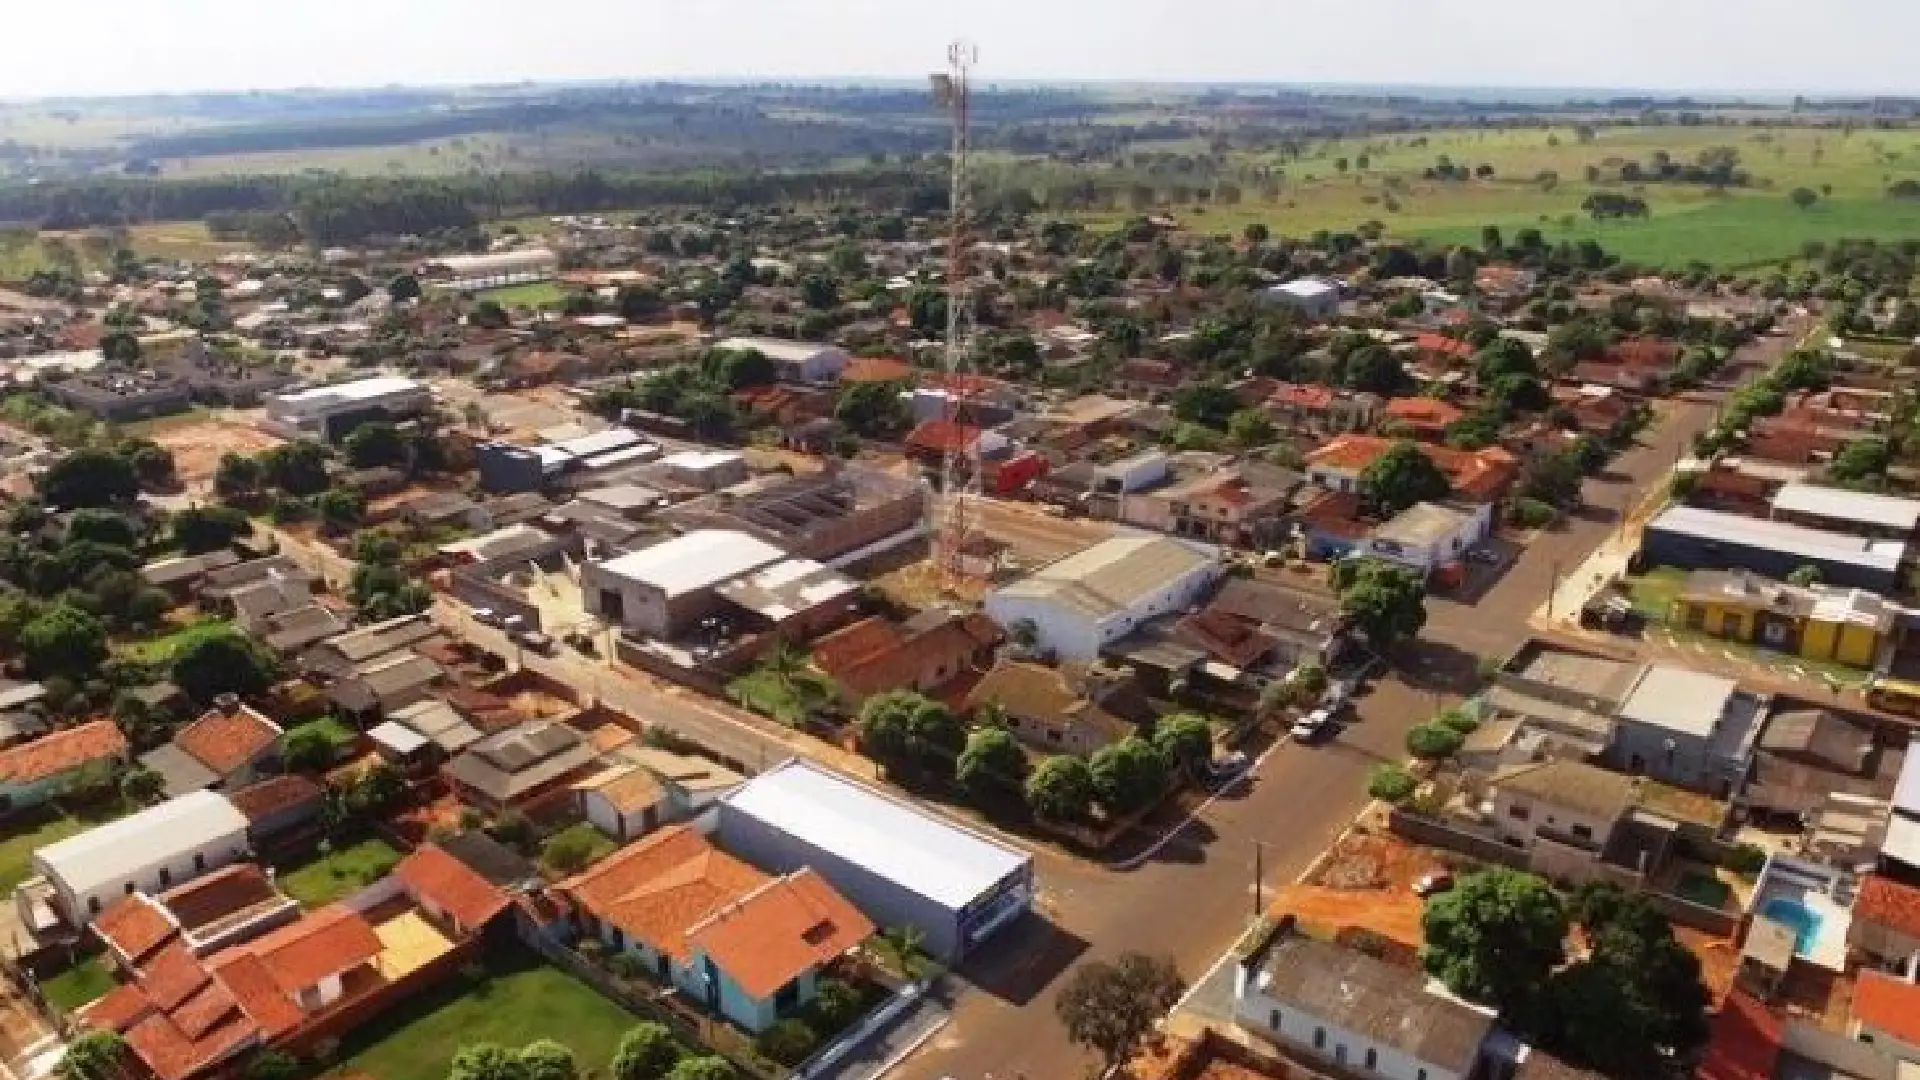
(1312, 726)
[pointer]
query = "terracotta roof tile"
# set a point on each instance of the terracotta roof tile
(326, 942)
(1889, 1004)
(274, 795)
(875, 369)
(224, 741)
(172, 976)
(654, 890)
(120, 1008)
(248, 980)
(134, 926)
(1889, 903)
(214, 896)
(439, 880)
(200, 1013)
(780, 931)
(1424, 411)
(62, 752)
(942, 436)
(1442, 345)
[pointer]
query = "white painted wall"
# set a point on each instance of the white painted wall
(1296, 1029)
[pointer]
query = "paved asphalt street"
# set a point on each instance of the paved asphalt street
(1192, 899)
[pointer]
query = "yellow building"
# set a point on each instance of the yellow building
(1818, 622)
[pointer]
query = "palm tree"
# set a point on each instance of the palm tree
(902, 948)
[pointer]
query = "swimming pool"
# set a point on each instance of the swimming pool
(1793, 913)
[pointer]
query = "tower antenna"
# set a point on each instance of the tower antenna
(960, 485)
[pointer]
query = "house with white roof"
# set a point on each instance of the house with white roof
(151, 851)
(1085, 602)
(328, 412)
(662, 590)
(798, 361)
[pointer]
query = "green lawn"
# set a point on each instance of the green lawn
(89, 979)
(20, 837)
(1654, 592)
(519, 1000)
(788, 697)
(535, 294)
(161, 650)
(339, 873)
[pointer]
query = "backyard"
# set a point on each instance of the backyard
(161, 650)
(85, 981)
(517, 1001)
(34, 830)
(534, 294)
(339, 872)
(784, 688)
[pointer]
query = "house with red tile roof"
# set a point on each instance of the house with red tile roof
(1422, 418)
(1886, 1013)
(185, 1016)
(747, 945)
(225, 964)
(1440, 352)
(230, 746)
(449, 892)
(1479, 476)
(32, 772)
(865, 369)
(923, 653)
(1322, 408)
(1886, 919)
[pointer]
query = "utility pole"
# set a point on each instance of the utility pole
(1259, 872)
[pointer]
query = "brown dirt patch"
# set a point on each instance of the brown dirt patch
(198, 446)
(1366, 883)
(1374, 861)
(1719, 959)
(1392, 914)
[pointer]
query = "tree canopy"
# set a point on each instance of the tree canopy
(904, 729)
(227, 662)
(1108, 1007)
(1495, 936)
(1387, 603)
(1402, 476)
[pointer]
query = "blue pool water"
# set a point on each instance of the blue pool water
(1793, 913)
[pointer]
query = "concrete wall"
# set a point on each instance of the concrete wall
(1669, 756)
(179, 866)
(1541, 813)
(1302, 1032)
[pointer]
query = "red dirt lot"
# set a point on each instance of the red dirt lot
(198, 445)
(1366, 883)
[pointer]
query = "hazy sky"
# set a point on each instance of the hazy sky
(133, 46)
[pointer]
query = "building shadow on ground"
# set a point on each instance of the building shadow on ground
(1023, 959)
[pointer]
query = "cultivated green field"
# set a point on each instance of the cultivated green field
(1740, 228)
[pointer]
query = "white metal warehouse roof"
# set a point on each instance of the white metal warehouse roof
(700, 559)
(892, 839)
(118, 850)
(1839, 504)
(1714, 525)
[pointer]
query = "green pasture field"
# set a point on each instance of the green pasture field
(1740, 228)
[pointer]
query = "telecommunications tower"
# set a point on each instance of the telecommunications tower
(957, 531)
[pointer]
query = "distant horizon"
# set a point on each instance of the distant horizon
(1775, 48)
(1437, 91)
